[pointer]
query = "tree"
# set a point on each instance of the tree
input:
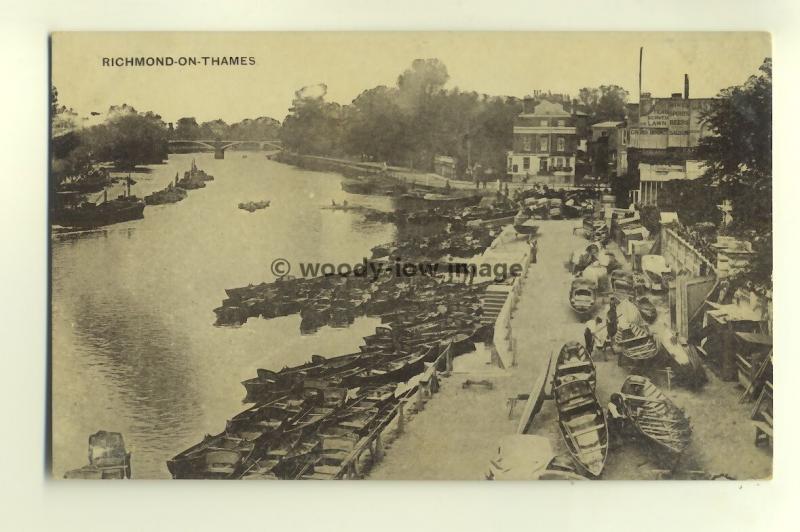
(604, 103)
(128, 139)
(187, 128)
(611, 104)
(313, 125)
(589, 98)
(376, 126)
(739, 162)
(739, 154)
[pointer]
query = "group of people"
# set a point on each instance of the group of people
(599, 335)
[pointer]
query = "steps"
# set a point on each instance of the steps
(492, 301)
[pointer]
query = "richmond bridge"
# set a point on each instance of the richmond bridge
(219, 146)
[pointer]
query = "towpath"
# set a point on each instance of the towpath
(457, 433)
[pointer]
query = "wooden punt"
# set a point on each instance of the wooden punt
(655, 416)
(583, 425)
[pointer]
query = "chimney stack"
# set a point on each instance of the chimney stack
(686, 86)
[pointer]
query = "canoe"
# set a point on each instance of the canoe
(583, 296)
(655, 416)
(574, 363)
(535, 400)
(583, 425)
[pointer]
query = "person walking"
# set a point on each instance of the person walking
(534, 250)
(588, 337)
(611, 325)
(599, 337)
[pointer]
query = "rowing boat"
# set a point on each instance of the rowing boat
(655, 416)
(583, 296)
(583, 425)
(574, 363)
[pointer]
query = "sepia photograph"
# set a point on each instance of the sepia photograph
(506, 255)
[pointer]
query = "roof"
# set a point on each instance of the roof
(545, 108)
(607, 124)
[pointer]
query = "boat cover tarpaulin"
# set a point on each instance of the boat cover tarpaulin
(654, 263)
(521, 457)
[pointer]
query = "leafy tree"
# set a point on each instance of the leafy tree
(739, 154)
(604, 103)
(128, 140)
(215, 129)
(739, 161)
(187, 128)
(313, 125)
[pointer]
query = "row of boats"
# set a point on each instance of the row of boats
(307, 420)
(582, 420)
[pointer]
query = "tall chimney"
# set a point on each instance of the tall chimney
(686, 86)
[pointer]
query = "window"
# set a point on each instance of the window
(562, 146)
(561, 123)
(542, 143)
(526, 163)
(515, 169)
(543, 123)
(526, 143)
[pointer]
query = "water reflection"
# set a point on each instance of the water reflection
(134, 349)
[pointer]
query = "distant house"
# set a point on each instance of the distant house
(444, 166)
(613, 137)
(545, 145)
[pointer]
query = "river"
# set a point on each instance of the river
(134, 346)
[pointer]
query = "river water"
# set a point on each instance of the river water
(134, 346)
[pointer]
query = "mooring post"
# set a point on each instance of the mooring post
(420, 399)
(449, 360)
(400, 417)
(379, 452)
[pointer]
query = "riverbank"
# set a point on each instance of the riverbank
(457, 434)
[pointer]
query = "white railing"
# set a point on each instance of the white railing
(504, 344)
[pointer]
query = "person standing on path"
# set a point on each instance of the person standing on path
(534, 250)
(612, 321)
(588, 337)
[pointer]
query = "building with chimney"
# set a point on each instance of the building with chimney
(546, 145)
(663, 135)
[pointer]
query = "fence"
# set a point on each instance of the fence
(504, 343)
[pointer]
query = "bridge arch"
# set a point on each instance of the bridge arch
(219, 146)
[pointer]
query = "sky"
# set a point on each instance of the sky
(496, 63)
